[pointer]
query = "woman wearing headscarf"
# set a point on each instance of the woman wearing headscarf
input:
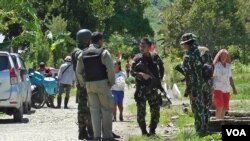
(222, 80)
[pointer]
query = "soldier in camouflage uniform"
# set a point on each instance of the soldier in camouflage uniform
(84, 118)
(197, 67)
(144, 92)
(208, 81)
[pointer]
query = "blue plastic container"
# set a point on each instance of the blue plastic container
(50, 85)
(36, 78)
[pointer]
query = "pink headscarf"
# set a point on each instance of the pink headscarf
(217, 57)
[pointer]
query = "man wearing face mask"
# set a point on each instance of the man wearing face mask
(66, 79)
(197, 70)
(146, 68)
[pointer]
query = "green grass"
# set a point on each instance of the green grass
(73, 92)
(188, 134)
(167, 113)
(132, 108)
(242, 85)
(144, 138)
(184, 120)
(185, 123)
(240, 105)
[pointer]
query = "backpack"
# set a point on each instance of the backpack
(206, 59)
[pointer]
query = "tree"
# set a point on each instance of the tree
(122, 44)
(128, 18)
(26, 24)
(215, 22)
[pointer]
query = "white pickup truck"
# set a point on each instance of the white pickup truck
(15, 90)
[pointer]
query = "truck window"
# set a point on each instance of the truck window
(4, 62)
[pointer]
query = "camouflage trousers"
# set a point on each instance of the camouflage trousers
(154, 103)
(200, 108)
(84, 116)
(207, 91)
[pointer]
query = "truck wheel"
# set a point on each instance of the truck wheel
(18, 115)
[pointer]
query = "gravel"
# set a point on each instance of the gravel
(47, 124)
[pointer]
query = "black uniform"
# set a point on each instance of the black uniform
(146, 90)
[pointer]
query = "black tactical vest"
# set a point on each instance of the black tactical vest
(148, 62)
(93, 67)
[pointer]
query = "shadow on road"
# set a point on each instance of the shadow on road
(11, 121)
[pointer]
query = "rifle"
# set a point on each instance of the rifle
(153, 82)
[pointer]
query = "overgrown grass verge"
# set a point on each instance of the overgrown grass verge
(242, 81)
(240, 105)
(173, 115)
(144, 138)
(188, 134)
(73, 91)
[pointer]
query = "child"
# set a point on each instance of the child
(118, 90)
(127, 67)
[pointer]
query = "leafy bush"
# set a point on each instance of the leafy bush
(171, 75)
(129, 81)
(234, 52)
(238, 67)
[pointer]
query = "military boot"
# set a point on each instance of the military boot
(59, 101)
(152, 130)
(144, 129)
(115, 135)
(90, 132)
(83, 134)
(66, 100)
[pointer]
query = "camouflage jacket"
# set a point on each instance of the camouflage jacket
(192, 65)
(74, 55)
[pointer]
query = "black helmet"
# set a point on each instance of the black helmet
(187, 37)
(83, 35)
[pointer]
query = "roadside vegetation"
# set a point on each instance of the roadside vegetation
(46, 31)
(185, 121)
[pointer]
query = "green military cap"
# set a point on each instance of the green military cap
(187, 37)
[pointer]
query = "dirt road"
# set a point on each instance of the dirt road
(48, 124)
